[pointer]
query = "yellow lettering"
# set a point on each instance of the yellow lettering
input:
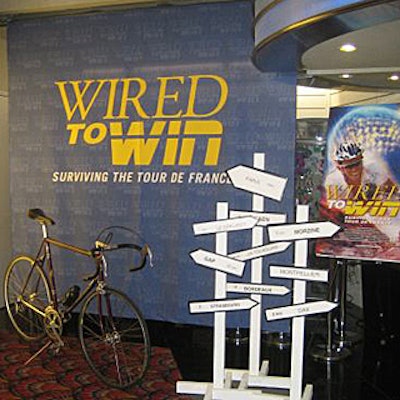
(135, 100)
(392, 191)
(111, 99)
(74, 132)
(362, 192)
(357, 208)
(332, 192)
(162, 96)
(223, 96)
(95, 133)
(213, 149)
(394, 207)
(136, 141)
(79, 95)
(140, 150)
(171, 150)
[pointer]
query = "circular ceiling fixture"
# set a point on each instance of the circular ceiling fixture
(347, 48)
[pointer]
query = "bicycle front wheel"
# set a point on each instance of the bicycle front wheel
(26, 289)
(114, 338)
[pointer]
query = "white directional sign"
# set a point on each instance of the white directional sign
(218, 262)
(258, 182)
(226, 225)
(221, 305)
(309, 230)
(260, 251)
(308, 274)
(263, 219)
(299, 310)
(257, 289)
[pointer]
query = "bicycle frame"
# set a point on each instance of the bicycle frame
(108, 319)
(44, 261)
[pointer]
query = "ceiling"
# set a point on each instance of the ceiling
(321, 63)
(376, 59)
(374, 30)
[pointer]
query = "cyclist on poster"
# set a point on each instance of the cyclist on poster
(361, 190)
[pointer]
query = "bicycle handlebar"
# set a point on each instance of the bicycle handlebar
(143, 251)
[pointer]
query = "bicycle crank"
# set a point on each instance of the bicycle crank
(54, 325)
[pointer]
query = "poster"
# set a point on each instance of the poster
(361, 190)
(133, 118)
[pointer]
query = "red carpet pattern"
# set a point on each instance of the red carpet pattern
(67, 376)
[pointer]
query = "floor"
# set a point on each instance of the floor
(370, 372)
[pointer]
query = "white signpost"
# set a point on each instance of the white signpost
(218, 262)
(263, 219)
(229, 225)
(308, 274)
(311, 230)
(261, 185)
(252, 288)
(260, 251)
(257, 182)
(299, 310)
(221, 305)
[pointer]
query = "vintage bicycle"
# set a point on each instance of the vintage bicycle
(112, 331)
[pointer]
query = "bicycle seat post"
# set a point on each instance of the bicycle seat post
(44, 230)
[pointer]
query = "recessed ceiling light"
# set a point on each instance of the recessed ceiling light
(348, 48)
(394, 77)
(345, 76)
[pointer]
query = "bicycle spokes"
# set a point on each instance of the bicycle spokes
(27, 295)
(114, 338)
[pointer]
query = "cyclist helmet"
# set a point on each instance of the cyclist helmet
(348, 153)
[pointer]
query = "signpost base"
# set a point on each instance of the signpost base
(239, 384)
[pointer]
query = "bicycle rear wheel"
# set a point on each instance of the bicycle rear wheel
(25, 281)
(114, 338)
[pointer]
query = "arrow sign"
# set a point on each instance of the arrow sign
(222, 305)
(258, 182)
(263, 219)
(257, 289)
(260, 251)
(218, 262)
(227, 225)
(308, 274)
(299, 310)
(309, 230)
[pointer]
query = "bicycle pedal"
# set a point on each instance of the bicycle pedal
(70, 296)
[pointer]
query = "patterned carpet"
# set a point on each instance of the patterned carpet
(67, 376)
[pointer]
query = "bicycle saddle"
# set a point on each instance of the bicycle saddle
(38, 215)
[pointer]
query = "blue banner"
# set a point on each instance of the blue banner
(133, 118)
